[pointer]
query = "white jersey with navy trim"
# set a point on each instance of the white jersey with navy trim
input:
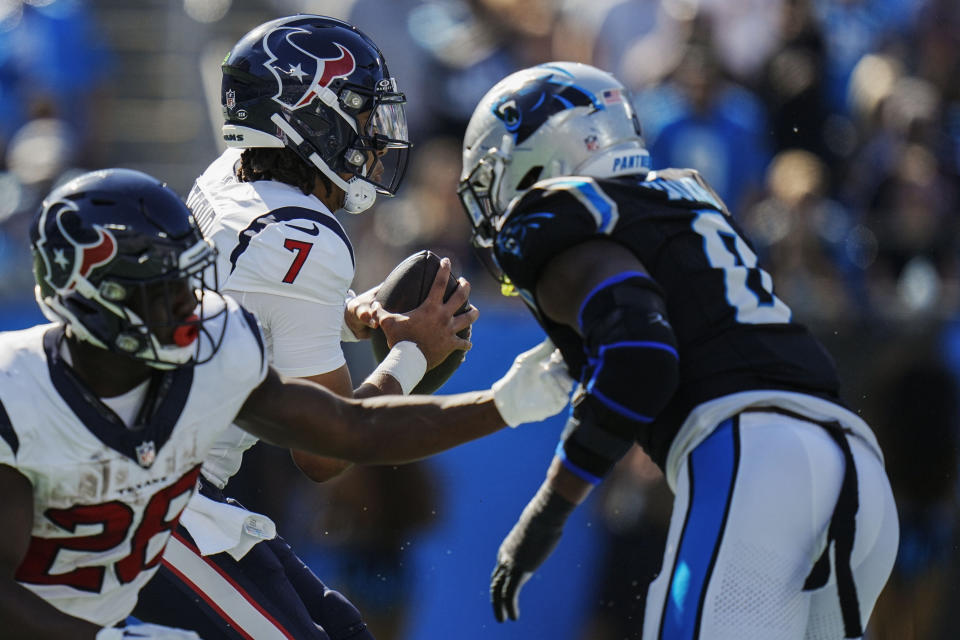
(287, 259)
(107, 497)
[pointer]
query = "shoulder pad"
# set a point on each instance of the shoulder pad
(684, 186)
(553, 216)
(584, 194)
(286, 215)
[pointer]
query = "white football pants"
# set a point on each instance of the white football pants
(750, 518)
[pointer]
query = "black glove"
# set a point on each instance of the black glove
(525, 548)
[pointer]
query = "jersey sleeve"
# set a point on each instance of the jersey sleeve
(298, 258)
(294, 275)
(302, 337)
(548, 219)
(241, 362)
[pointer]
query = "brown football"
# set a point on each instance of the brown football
(403, 290)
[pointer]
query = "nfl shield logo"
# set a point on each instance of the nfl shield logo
(231, 96)
(146, 454)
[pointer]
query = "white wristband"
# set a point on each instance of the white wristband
(108, 633)
(405, 363)
(346, 333)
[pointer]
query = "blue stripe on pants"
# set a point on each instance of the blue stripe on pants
(712, 470)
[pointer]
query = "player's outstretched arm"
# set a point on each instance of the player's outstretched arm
(430, 332)
(23, 614)
(565, 284)
(534, 537)
(298, 414)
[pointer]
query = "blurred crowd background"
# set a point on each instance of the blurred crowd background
(830, 127)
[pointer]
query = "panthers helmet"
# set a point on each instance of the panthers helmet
(554, 119)
(320, 87)
(112, 250)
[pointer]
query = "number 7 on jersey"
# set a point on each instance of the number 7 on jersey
(301, 251)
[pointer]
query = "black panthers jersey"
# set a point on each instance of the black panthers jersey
(733, 333)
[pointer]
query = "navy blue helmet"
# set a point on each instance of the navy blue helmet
(320, 87)
(106, 247)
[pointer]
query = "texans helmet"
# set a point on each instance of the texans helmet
(554, 119)
(320, 87)
(112, 250)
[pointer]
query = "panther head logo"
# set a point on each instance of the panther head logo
(524, 110)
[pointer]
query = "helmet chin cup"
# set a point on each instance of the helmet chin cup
(360, 196)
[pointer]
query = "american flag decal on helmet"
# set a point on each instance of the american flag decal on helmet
(612, 96)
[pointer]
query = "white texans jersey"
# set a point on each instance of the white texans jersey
(106, 496)
(273, 239)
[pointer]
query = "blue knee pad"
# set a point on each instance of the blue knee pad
(632, 371)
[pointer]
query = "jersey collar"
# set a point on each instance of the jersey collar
(167, 394)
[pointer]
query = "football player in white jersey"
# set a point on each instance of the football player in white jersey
(314, 123)
(107, 413)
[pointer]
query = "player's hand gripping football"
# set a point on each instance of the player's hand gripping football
(358, 315)
(433, 326)
(525, 548)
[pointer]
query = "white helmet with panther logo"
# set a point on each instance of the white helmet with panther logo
(554, 119)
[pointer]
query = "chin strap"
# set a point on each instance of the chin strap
(360, 194)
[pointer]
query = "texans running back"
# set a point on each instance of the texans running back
(784, 524)
(110, 476)
(107, 413)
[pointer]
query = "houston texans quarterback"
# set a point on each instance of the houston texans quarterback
(784, 525)
(107, 413)
(313, 123)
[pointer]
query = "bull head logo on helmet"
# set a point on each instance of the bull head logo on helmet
(302, 65)
(68, 262)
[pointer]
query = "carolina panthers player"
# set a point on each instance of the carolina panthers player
(314, 123)
(107, 413)
(784, 525)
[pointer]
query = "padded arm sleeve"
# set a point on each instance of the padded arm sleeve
(632, 372)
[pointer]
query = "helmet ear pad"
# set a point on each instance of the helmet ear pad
(330, 137)
(107, 328)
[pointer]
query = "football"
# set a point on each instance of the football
(403, 290)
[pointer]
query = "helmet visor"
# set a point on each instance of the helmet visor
(388, 125)
(384, 140)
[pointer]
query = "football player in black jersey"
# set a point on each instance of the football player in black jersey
(655, 298)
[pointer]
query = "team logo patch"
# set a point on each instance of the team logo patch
(300, 65)
(146, 454)
(526, 109)
(74, 253)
